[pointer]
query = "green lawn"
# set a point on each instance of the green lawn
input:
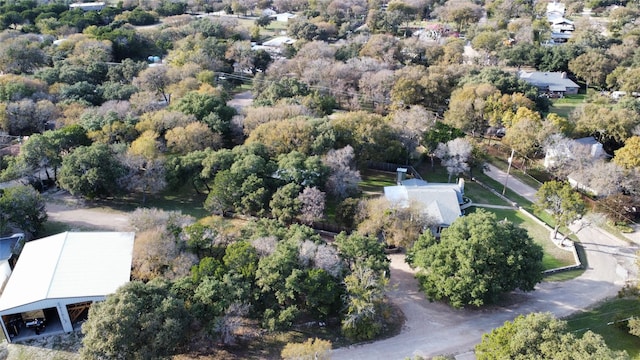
(615, 335)
(184, 199)
(566, 105)
(373, 181)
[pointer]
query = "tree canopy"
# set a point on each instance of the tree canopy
(476, 260)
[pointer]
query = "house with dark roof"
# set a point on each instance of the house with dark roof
(550, 83)
(442, 202)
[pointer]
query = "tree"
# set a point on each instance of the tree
(343, 180)
(194, 136)
(21, 54)
(411, 124)
(467, 108)
(26, 117)
(312, 202)
(285, 204)
(311, 349)
(460, 12)
(398, 225)
(367, 251)
(91, 171)
(155, 79)
(541, 336)
(139, 321)
(441, 133)
(145, 175)
(477, 260)
(454, 155)
(629, 155)
(22, 207)
(593, 67)
(363, 319)
(564, 204)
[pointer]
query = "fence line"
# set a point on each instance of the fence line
(392, 167)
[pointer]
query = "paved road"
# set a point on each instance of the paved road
(433, 328)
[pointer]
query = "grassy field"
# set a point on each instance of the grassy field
(606, 321)
(565, 106)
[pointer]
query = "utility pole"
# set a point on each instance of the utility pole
(510, 160)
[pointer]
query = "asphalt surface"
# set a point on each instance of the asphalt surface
(436, 329)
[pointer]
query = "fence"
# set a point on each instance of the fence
(391, 167)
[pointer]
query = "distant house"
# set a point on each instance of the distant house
(441, 201)
(551, 83)
(90, 6)
(587, 148)
(284, 17)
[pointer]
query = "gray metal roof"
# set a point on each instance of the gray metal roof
(548, 80)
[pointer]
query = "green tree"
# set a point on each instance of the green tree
(364, 250)
(91, 171)
(467, 108)
(564, 204)
(541, 336)
(477, 260)
(363, 319)
(285, 204)
(629, 155)
(139, 321)
(22, 207)
(593, 67)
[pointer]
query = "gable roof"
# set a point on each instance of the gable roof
(70, 264)
(439, 201)
(554, 81)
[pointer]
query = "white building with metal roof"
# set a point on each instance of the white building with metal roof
(58, 277)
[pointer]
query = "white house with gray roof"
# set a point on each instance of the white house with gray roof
(551, 83)
(440, 201)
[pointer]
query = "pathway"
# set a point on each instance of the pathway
(513, 183)
(433, 328)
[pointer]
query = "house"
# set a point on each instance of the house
(550, 83)
(555, 156)
(57, 278)
(89, 6)
(443, 202)
(284, 17)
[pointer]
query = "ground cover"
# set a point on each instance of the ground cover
(565, 106)
(608, 320)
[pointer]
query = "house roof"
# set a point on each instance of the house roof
(70, 264)
(439, 202)
(557, 81)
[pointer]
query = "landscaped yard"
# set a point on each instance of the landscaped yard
(566, 105)
(607, 320)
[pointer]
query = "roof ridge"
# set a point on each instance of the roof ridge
(55, 269)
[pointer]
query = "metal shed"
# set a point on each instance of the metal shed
(58, 277)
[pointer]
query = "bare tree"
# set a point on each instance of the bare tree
(454, 155)
(145, 175)
(343, 180)
(313, 202)
(411, 124)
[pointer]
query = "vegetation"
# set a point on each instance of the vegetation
(128, 116)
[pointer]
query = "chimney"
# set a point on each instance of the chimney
(563, 75)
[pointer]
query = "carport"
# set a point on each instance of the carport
(57, 278)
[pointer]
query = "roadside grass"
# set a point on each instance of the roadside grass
(564, 275)
(553, 256)
(598, 319)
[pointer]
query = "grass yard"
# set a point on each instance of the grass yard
(553, 256)
(373, 181)
(565, 106)
(615, 335)
(184, 199)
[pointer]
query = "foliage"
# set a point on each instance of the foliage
(364, 319)
(285, 204)
(455, 156)
(343, 180)
(477, 260)
(139, 321)
(311, 349)
(90, 171)
(629, 155)
(564, 204)
(23, 207)
(357, 249)
(541, 336)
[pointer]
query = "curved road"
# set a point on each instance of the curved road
(436, 329)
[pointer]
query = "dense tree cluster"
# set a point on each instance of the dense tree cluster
(206, 280)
